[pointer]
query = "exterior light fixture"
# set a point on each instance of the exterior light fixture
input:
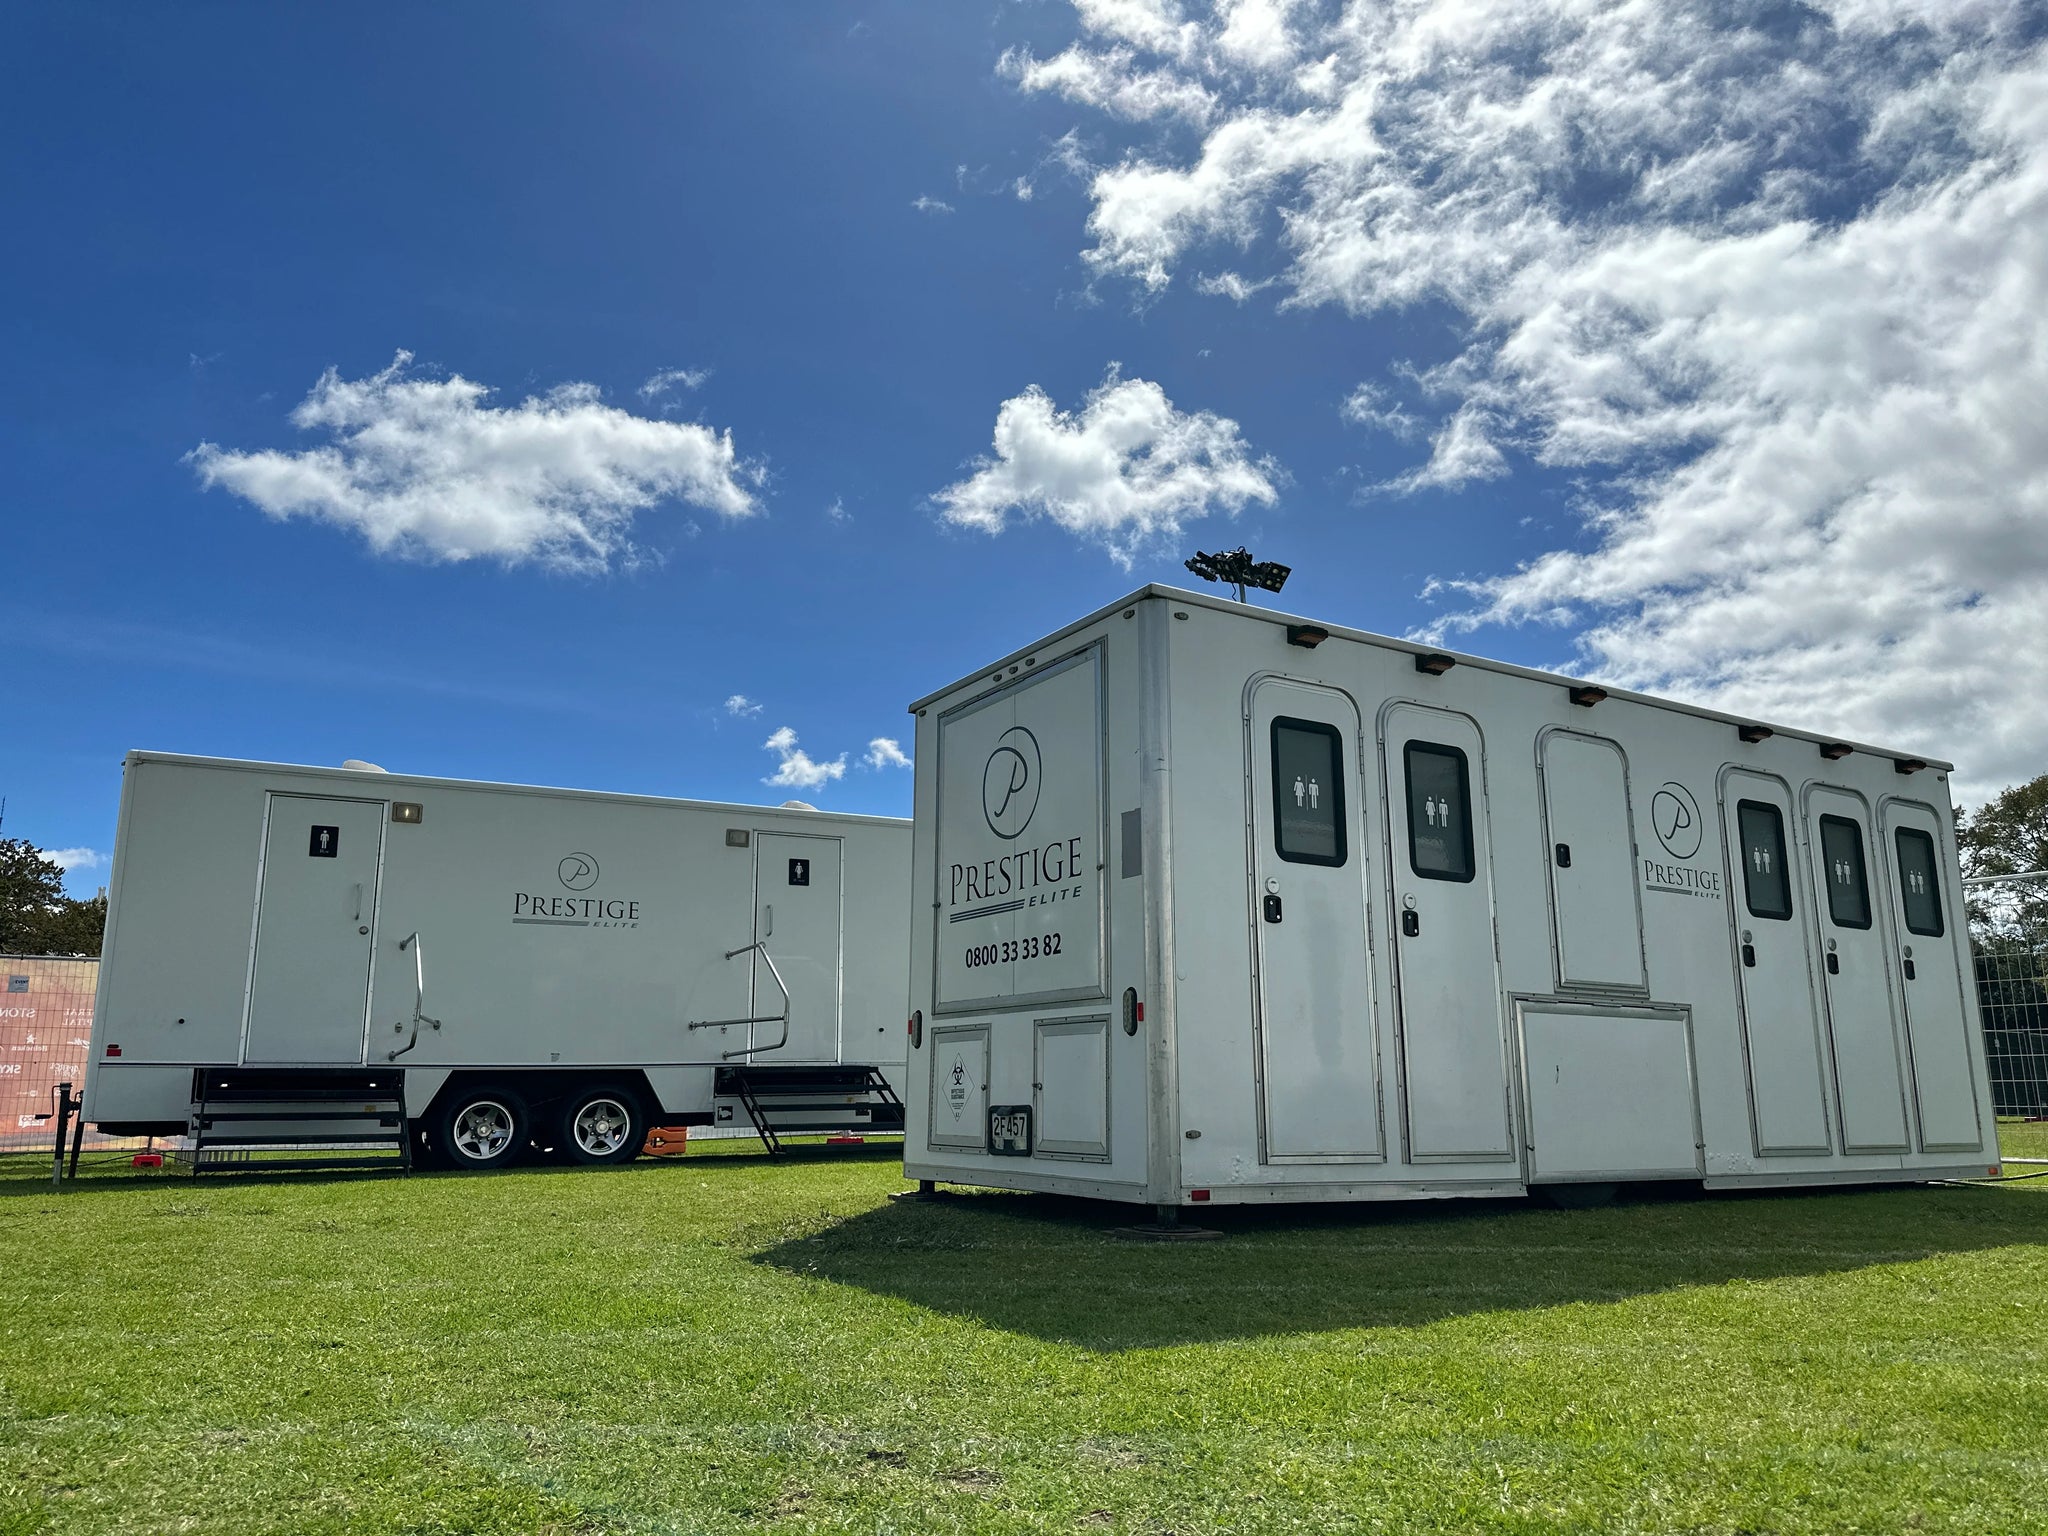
(1755, 733)
(1835, 749)
(1435, 663)
(1236, 568)
(1586, 696)
(1307, 636)
(1908, 764)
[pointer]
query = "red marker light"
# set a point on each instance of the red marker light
(1198, 1194)
(113, 1050)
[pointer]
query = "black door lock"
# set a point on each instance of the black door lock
(1564, 855)
(1411, 923)
(1909, 970)
(1834, 965)
(1272, 909)
(1749, 955)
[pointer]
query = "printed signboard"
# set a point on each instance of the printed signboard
(1019, 909)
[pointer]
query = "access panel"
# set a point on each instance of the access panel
(1595, 906)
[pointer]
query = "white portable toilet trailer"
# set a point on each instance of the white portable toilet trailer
(312, 955)
(1220, 905)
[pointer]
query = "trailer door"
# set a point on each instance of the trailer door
(1780, 1015)
(1453, 1050)
(798, 921)
(1593, 898)
(1855, 961)
(1930, 968)
(309, 991)
(1318, 1061)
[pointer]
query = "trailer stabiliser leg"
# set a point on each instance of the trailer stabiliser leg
(66, 1108)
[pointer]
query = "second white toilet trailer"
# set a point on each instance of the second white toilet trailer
(1219, 905)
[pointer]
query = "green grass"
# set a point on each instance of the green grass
(719, 1344)
(2023, 1138)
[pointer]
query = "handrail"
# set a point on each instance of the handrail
(761, 1018)
(2031, 874)
(419, 995)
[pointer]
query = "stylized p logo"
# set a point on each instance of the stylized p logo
(1009, 783)
(1675, 816)
(578, 871)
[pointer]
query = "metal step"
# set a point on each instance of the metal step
(239, 1112)
(786, 1101)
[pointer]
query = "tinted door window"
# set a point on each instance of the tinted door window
(1308, 792)
(1841, 846)
(1439, 811)
(1919, 888)
(1766, 881)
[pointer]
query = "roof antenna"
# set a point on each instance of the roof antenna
(1236, 568)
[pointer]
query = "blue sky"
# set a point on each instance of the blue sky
(1557, 365)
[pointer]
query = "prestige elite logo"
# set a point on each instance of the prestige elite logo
(577, 872)
(1010, 782)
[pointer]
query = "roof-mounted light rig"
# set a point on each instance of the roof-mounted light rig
(1236, 568)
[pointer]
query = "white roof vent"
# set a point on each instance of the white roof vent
(798, 805)
(362, 767)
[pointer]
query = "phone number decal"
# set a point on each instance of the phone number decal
(1009, 950)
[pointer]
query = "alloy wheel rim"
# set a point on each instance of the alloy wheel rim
(483, 1130)
(602, 1126)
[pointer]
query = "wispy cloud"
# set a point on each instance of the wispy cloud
(886, 752)
(798, 770)
(927, 204)
(426, 469)
(670, 379)
(741, 707)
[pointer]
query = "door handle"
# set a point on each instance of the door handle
(1272, 908)
(1411, 923)
(1834, 964)
(1564, 855)
(359, 902)
(1749, 956)
(768, 921)
(1910, 973)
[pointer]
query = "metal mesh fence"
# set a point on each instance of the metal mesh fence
(2012, 991)
(45, 1037)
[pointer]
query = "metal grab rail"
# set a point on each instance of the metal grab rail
(419, 995)
(759, 1018)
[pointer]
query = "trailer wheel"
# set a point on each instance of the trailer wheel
(602, 1125)
(480, 1128)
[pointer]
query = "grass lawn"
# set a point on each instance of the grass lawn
(718, 1344)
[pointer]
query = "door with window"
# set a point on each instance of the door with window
(1453, 1051)
(797, 921)
(1318, 1051)
(1931, 983)
(309, 997)
(1781, 1022)
(1855, 980)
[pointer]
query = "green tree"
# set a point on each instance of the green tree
(36, 917)
(2008, 835)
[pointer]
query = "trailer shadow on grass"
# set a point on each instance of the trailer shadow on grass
(1048, 1267)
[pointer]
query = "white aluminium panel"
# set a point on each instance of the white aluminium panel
(1610, 1092)
(1018, 914)
(1071, 1087)
(1931, 981)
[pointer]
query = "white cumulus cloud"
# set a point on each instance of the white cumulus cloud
(1128, 467)
(740, 706)
(68, 859)
(887, 752)
(427, 469)
(797, 770)
(1771, 280)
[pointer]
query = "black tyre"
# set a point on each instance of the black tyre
(480, 1128)
(604, 1124)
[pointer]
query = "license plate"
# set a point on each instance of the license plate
(1009, 1130)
